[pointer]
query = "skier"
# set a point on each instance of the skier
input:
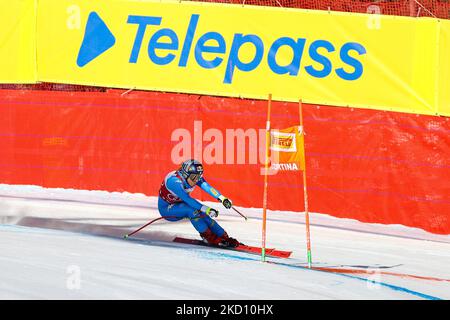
(175, 203)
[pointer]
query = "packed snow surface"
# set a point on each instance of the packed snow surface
(68, 244)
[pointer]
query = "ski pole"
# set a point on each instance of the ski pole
(170, 217)
(154, 220)
(239, 213)
(137, 230)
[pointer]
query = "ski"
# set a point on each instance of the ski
(270, 252)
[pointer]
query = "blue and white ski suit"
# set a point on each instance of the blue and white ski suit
(175, 203)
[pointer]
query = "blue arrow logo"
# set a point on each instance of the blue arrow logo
(97, 39)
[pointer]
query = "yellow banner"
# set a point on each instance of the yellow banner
(444, 69)
(357, 60)
(17, 41)
(287, 149)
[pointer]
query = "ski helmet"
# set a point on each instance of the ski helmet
(191, 168)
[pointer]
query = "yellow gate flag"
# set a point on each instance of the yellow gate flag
(287, 149)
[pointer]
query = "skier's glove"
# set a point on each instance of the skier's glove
(226, 202)
(213, 213)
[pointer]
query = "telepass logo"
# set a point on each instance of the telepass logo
(212, 49)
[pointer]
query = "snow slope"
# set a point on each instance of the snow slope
(67, 244)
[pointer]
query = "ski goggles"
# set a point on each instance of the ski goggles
(195, 177)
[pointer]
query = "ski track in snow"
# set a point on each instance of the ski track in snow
(67, 244)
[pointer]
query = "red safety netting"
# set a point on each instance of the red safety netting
(414, 8)
(373, 166)
(52, 87)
